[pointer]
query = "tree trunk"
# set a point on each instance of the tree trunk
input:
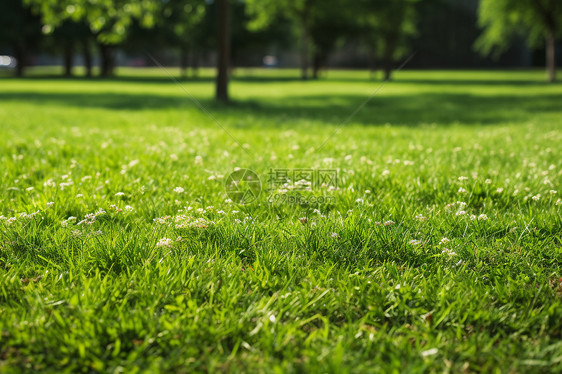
(372, 62)
(304, 50)
(316, 65)
(183, 62)
(223, 51)
(87, 58)
(68, 51)
(390, 47)
(20, 55)
(195, 64)
(107, 60)
(551, 56)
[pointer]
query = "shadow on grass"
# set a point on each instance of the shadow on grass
(329, 76)
(408, 110)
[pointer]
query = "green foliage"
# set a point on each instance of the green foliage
(472, 157)
(183, 18)
(385, 22)
(503, 20)
(264, 12)
(107, 19)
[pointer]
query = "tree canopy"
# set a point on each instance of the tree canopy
(535, 20)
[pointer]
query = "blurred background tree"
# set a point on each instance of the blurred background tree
(180, 21)
(308, 33)
(67, 39)
(537, 20)
(21, 31)
(108, 20)
(387, 27)
(301, 12)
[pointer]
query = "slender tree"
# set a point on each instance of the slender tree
(264, 12)
(179, 24)
(331, 24)
(387, 27)
(223, 50)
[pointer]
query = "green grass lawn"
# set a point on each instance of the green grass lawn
(437, 248)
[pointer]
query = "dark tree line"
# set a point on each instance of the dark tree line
(192, 28)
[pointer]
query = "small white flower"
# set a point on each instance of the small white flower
(553, 192)
(128, 208)
(79, 196)
(499, 190)
(50, 204)
(29, 189)
(360, 201)
(430, 352)
(472, 217)
(414, 242)
(488, 181)
(50, 183)
(389, 223)
(179, 190)
(385, 172)
(334, 235)
(448, 252)
(164, 242)
(120, 194)
(444, 241)
(482, 217)
(536, 197)
(65, 184)
(420, 217)
(461, 213)
(461, 190)
(462, 178)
